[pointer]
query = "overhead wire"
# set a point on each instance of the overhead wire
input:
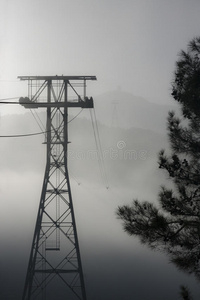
(22, 135)
(40, 124)
(36, 113)
(9, 80)
(100, 155)
(75, 116)
(99, 150)
(36, 116)
(27, 134)
(38, 120)
(75, 179)
(13, 98)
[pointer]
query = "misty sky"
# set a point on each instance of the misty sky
(131, 46)
(127, 44)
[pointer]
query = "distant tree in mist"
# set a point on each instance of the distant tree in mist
(173, 226)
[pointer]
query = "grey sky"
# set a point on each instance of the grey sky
(132, 44)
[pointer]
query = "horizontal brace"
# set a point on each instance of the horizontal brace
(64, 222)
(52, 249)
(57, 164)
(56, 271)
(51, 104)
(27, 103)
(55, 143)
(57, 191)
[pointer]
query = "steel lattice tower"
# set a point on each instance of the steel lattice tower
(54, 268)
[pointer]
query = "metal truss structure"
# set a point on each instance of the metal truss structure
(54, 268)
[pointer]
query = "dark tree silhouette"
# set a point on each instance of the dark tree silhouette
(173, 226)
(184, 293)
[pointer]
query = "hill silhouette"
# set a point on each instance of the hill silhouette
(124, 110)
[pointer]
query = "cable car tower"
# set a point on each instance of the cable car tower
(54, 268)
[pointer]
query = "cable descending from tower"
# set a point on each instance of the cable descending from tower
(100, 155)
(39, 123)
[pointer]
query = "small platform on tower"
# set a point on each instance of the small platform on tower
(43, 91)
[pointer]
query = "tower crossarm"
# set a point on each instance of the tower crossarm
(58, 77)
(86, 103)
(38, 85)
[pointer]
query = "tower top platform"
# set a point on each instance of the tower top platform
(57, 77)
(57, 91)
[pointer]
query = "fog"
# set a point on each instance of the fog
(115, 265)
